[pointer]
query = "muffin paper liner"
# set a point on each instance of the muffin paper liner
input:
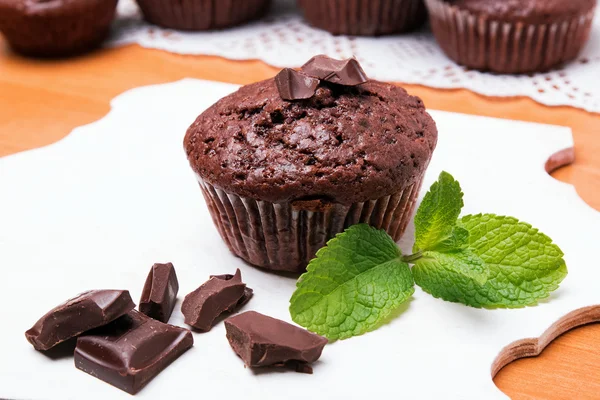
(482, 43)
(285, 237)
(364, 17)
(199, 15)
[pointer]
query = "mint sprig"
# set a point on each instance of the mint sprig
(437, 215)
(460, 262)
(483, 260)
(524, 266)
(353, 283)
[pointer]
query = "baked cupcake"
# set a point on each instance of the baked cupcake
(202, 15)
(287, 163)
(511, 36)
(364, 17)
(55, 28)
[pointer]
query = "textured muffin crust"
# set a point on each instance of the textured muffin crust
(531, 11)
(345, 144)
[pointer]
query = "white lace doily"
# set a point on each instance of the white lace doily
(282, 39)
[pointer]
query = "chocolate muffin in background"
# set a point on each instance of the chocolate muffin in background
(364, 17)
(287, 163)
(55, 28)
(202, 15)
(511, 36)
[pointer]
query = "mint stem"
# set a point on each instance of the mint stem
(413, 257)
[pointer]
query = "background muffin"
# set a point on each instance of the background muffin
(282, 177)
(54, 28)
(201, 15)
(511, 36)
(364, 17)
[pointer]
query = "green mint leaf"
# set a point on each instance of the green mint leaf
(438, 213)
(352, 284)
(463, 262)
(457, 240)
(524, 265)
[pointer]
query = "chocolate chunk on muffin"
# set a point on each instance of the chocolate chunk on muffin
(202, 15)
(364, 17)
(511, 36)
(55, 28)
(281, 177)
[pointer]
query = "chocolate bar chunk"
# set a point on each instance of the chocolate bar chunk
(86, 311)
(248, 293)
(214, 297)
(343, 72)
(160, 292)
(263, 341)
(294, 85)
(131, 351)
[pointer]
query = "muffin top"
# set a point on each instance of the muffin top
(50, 7)
(345, 143)
(531, 11)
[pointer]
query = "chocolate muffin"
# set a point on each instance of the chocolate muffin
(202, 15)
(364, 17)
(511, 36)
(55, 28)
(287, 163)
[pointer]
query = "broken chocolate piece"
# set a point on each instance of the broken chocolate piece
(160, 292)
(131, 351)
(304, 368)
(248, 293)
(294, 85)
(297, 366)
(263, 341)
(214, 297)
(343, 72)
(86, 311)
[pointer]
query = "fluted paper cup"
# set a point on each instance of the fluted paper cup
(364, 17)
(201, 15)
(286, 236)
(483, 43)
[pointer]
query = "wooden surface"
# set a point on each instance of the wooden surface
(42, 101)
(568, 369)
